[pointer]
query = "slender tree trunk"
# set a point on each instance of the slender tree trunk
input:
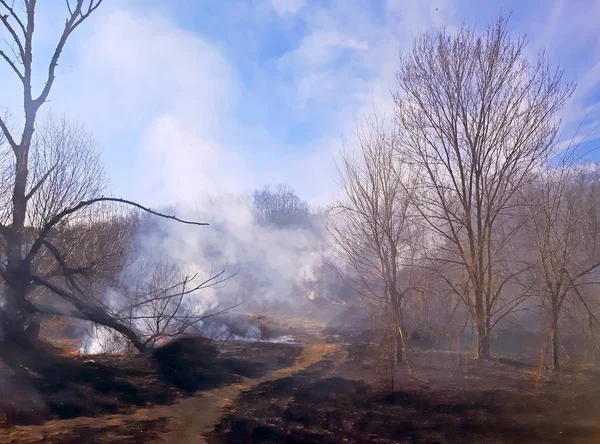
(483, 327)
(487, 341)
(483, 341)
(483, 337)
(399, 342)
(399, 349)
(554, 336)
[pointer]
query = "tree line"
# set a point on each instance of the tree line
(464, 192)
(461, 202)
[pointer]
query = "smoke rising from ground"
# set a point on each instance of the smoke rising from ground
(270, 263)
(270, 258)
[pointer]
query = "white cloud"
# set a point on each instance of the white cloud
(319, 47)
(174, 91)
(414, 16)
(283, 7)
(162, 100)
(137, 64)
(180, 162)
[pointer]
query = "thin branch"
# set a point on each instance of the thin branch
(13, 33)
(41, 182)
(14, 15)
(83, 204)
(76, 18)
(208, 283)
(7, 134)
(12, 65)
(195, 318)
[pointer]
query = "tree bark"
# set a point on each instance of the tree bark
(399, 349)
(483, 338)
(554, 340)
(395, 302)
(15, 291)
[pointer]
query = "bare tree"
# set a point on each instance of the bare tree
(563, 211)
(83, 256)
(281, 206)
(164, 301)
(155, 298)
(55, 217)
(371, 224)
(476, 117)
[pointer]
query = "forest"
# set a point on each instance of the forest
(449, 291)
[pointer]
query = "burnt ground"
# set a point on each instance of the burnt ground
(442, 402)
(75, 386)
(309, 393)
(185, 421)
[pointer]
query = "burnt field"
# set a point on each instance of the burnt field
(94, 385)
(339, 400)
(325, 389)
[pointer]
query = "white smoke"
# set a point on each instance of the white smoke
(273, 264)
(270, 266)
(102, 339)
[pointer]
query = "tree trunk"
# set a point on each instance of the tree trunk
(100, 317)
(554, 340)
(483, 338)
(16, 281)
(399, 340)
(16, 304)
(483, 328)
(399, 349)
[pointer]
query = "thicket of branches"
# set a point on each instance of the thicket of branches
(64, 240)
(464, 201)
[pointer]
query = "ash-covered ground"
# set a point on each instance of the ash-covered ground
(325, 386)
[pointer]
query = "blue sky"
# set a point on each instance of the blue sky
(193, 97)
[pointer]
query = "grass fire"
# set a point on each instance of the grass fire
(433, 276)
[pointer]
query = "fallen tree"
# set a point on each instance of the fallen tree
(60, 233)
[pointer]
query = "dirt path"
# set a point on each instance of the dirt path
(183, 422)
(193, 417)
